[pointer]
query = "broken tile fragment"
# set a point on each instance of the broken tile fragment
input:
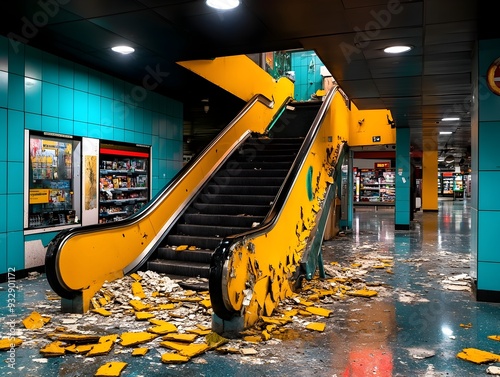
(478, 356)
(319, 311)
(111, 369)
(248, 351)
(142, 316)
(173, 358)
(140, 351)
(134, 338)
(316, 326)
(162, 327)
(136, 276)
(35, 321)
(100, 349)
(79, 349)
(74, 338)
(102, 311)
(7, 343)
(184, 338)
(493, 370)
(139, 305)
(53, 349)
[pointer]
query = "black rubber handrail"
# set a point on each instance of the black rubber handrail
(223, 252)
(56, 244)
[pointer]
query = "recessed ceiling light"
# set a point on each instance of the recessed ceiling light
(445, 132)
(450, 119)
(397, 49)
(223, 4)
(125, 50)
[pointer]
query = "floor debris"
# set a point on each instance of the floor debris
(478, 356)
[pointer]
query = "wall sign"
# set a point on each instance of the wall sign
(493, 77)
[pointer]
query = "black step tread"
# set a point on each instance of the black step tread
(202, 242)
(249, 198)
(252, 181)
(214, 189)
(199, 255)
(207, 230)
(232, 209)
(180, 268)
(256, 171)
(220, 220)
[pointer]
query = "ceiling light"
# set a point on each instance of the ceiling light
(223, 4)
(397, 49)
(445, 132)
(450, 119)
(125, 50)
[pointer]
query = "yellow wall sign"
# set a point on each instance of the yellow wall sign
(493, 77)
(39, 196)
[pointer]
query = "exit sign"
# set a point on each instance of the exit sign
(376, 139)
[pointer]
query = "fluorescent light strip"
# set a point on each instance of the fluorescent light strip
(445, 132)
(125, 50)
(223, 4)
(450, 119)
(397, 49)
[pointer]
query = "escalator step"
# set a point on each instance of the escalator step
(221, 220)
(207, 230)
(214, 189)
(262, 164)
(251, 181)
(209, 243)
(254, 172)
(180, 268)
(232, 209)
(254, 199)
(200, 256)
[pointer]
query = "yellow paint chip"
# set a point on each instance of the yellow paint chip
(108, 338)
(53, 349)
(33, 321)
(138, 305)
(140, 351)
(253, 338)
(166, 306)
(362, 293)
(81, 349)
(478, 356)
(134, 338)
(182, 248)
(142, 316)
(7, 343)
(136, 276)
(214, 340)
(269, 305)
(162, 327)
(102, 311)
(188, 350)
(75, 338)
(137, 290)
(173, 358)
(466, 325)
(305, 313)
(184, 338)
(319, 311)
(103, 301)
(494, 337)
(206, 303)
(198, 331)
(316, 326)
(100, 349)
(111, 369)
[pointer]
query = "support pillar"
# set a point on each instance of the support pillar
(485, 206)
(430, 173)
(402, 179)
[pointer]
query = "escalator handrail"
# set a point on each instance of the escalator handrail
(56, 244)
(222, 252)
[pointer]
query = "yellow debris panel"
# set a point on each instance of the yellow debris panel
(142, 316)
(206, 303)
(53, 349)
(185, 338)
(75, 338)
(162, 327)
(362, 293)
(166, 306)
(140, 351)
(138, 305)
(319, 311)
(134, 338)
(316, 326)
(478, 356)
(34, 321)
(173, 358)
(136, 276)
(102, 311)
(8, 343)
(199, 331)
(100, 349)
(81, 349)
(108, 338)
(137, 290)
(111, 369)
(188, 350)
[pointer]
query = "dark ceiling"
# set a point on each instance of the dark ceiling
(419, 87)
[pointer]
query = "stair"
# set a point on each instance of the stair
(236, 199)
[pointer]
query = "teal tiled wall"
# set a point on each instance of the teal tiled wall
(308, 80)
(41, 92)
(402, 179)
(486, 209)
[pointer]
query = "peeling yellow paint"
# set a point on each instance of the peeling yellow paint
(494, 337)
(478, 356)
(111, 369)
(134, 338)
(137, 290)
(7, 343)
(173, 358)
(100, 349)
(108, 338)
(162, 327)
(362, 293)
(206, 303)
(316, 326)
(184, 338)
(140, 351)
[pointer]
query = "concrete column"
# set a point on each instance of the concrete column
(402, 179)
(430, 173)
(485, 203)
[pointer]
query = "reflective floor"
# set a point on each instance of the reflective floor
(423, 315)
